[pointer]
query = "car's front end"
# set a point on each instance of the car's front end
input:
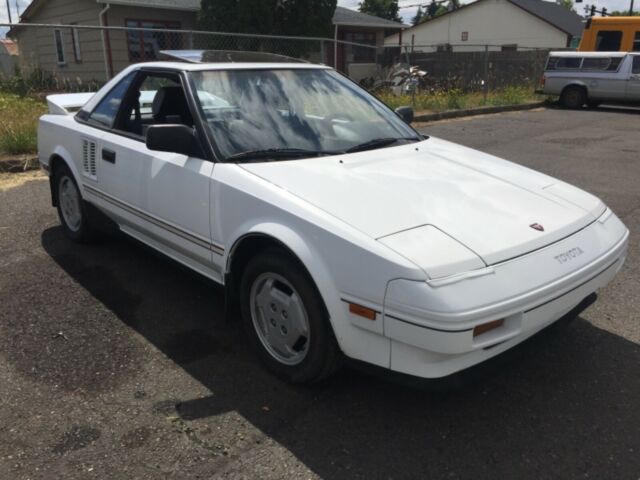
(501, 257)
(441, 326)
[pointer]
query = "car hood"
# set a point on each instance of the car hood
(485, 203)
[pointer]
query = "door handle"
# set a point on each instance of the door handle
(108, 155)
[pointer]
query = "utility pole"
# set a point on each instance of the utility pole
(631, 9)
(9, 11)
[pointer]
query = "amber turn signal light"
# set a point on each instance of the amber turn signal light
(486, 327)
(362, 311)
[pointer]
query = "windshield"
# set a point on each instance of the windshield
(258, 114)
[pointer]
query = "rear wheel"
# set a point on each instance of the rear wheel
(285, 319)
(573, 97)
(72, 210)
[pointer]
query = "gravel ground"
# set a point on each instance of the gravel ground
(117, 363)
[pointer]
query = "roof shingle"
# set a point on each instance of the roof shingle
(352, 18)
(193, 5)
(557, 15)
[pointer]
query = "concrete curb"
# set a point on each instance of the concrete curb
(430, 117)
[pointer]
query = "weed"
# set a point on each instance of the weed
(18, 129)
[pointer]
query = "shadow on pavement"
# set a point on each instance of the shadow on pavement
(564, 405)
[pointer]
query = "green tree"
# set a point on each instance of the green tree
(432, 9)
(381, 8)
(310, 18)
(568, 4)
(419, 16)
(624, 13)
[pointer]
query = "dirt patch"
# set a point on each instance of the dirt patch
(18, 163)
(12, 180)
(80, 436)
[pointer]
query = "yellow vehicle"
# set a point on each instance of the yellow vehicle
(611, 34)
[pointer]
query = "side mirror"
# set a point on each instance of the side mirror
(175, 139)
(405, 113)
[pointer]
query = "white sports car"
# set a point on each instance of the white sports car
(336, 227)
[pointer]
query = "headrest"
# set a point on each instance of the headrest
(169, 101)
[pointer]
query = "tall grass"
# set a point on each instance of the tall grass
(455, 99)
(19, 124)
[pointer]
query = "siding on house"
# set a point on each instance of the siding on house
(496, 22)
(38, 48)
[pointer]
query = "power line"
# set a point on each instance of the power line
(9, 12)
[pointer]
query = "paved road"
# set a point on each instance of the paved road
(116, 363)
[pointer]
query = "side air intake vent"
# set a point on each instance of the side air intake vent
(89, 158)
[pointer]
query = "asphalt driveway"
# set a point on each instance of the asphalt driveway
(116, 362)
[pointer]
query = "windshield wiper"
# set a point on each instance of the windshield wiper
(276, 154)
(378, 143)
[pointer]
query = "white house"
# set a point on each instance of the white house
(505, 24)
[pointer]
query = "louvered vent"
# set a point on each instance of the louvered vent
(89, 158)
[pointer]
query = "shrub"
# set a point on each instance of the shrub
(18, 129)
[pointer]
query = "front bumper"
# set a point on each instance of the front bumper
(431, 324)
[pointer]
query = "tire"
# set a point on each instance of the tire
(72, 210)
(573, 97)
(593, 103)
(285, 319)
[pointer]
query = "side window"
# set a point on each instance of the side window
(591, 63)
(106, 111)
(608, 41)
(635, 68)
(552, 63)
(636, 43)
(615, 63)
(568, 63)
(158, 99)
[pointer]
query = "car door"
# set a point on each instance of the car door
(633, 83)
(161, 198)
(97, 175)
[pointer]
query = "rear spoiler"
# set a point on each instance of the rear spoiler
(67, 103)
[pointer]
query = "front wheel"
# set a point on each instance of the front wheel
(285, 319)
(71, 208)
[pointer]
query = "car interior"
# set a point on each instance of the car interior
(156, 100)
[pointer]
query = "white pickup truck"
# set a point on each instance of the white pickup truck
(590, 78)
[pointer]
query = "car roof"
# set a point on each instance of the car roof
(197, 67)
(565, 53)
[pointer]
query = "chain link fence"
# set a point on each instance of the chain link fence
(82, 57)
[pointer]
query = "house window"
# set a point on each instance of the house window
(75, 41)
(57, 36)
(144, 45)
(356, 54)
(464, 36)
